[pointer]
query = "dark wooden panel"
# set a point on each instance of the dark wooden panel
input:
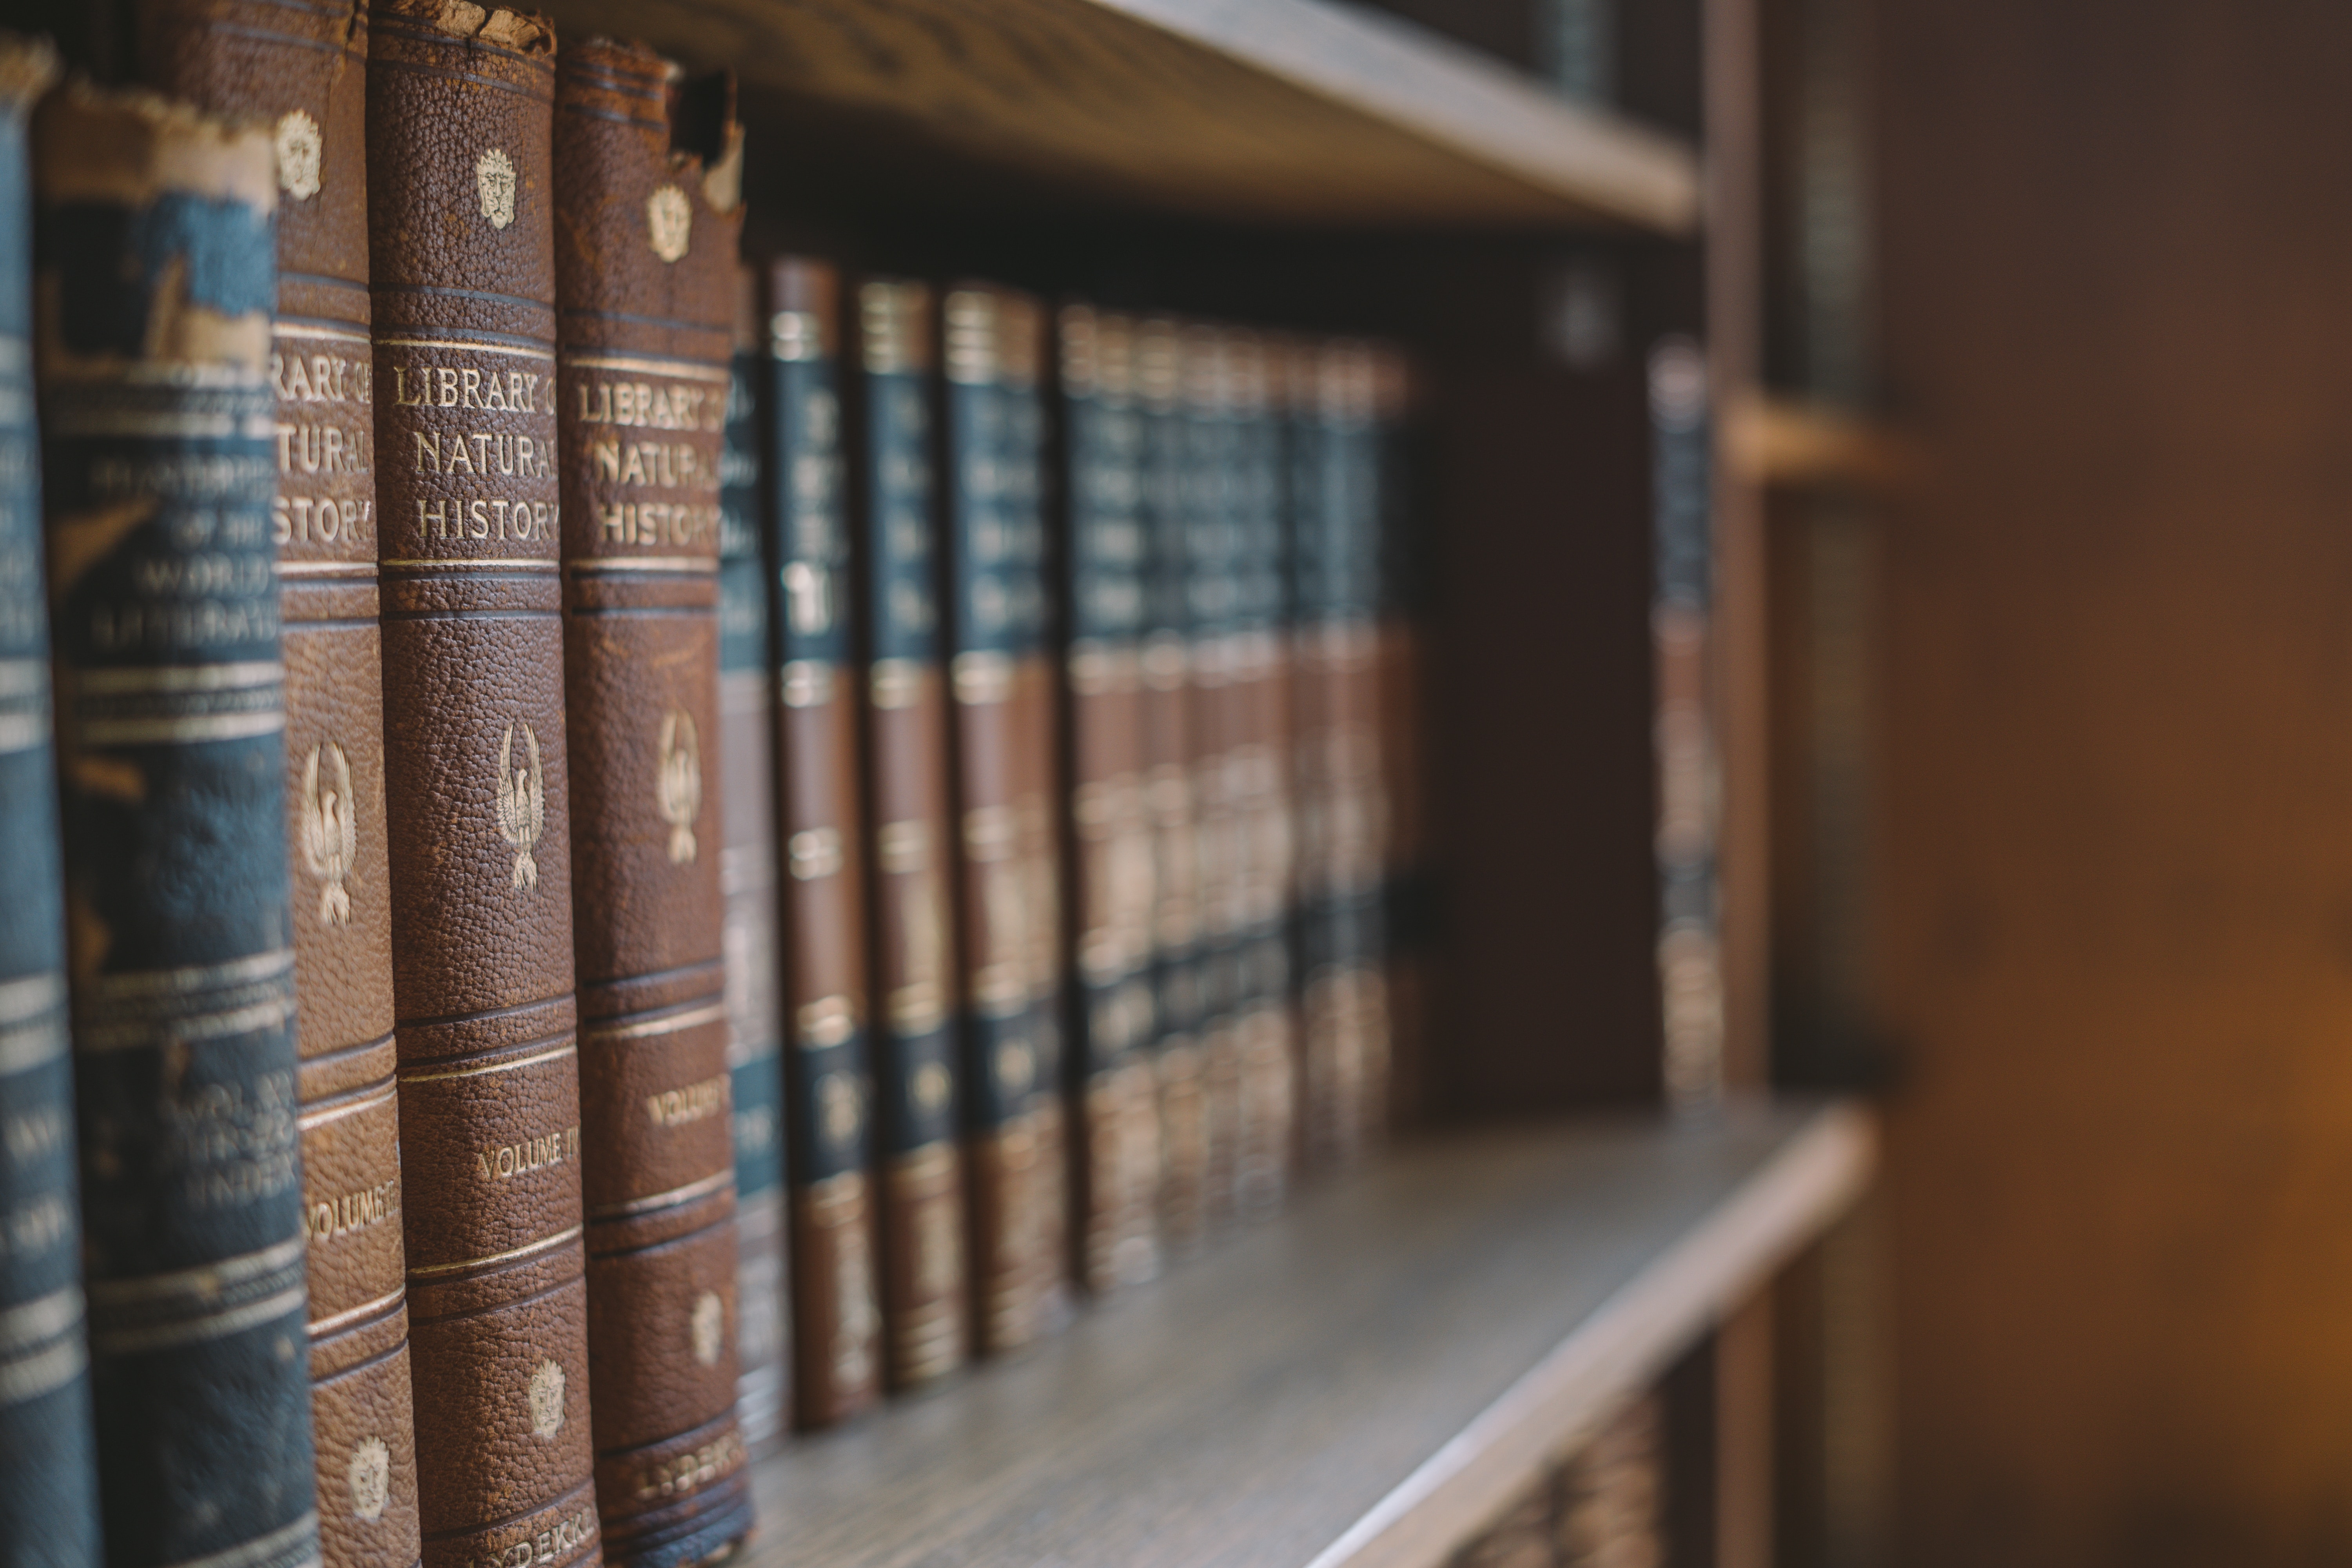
(1365, 1382)
(2117, 912)
(1543, 774)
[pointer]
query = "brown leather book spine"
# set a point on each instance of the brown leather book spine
(995, 542)
(1353, 770)
(1167, 719)
(747, 881)
(1110, 844)
(303, 68)
(925, 1282)
(476, 782)
(1212, 525)
(1255, 766)
(1291, 701)
(1036, 712)
(1344, 1007)
(649, 216)
(1395, 1091)
(1325, 1091)
(836, 1321)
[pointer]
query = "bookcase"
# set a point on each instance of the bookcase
(1375, 1377)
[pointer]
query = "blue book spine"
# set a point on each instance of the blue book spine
(748, 884)
(49, 1477)
(156, 257)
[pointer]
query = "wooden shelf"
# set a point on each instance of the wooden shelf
(1792, 444)
(1284, 110)
(1364, 1381)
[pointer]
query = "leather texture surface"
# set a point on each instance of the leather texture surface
(1213, 509)
(925, 1282)
(828, 1088)
(1165, 664)
(302, 68)
(1257, 768)
(1001, 688)
(156, 278)
(1341, 809)
(747, 878)
(645, 247)
(1110, 843)
(462, 290)
(48, 1480)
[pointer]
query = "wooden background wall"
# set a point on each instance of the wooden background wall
(2117, 911)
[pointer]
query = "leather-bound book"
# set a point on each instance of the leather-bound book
(648, 218)
(48, 1480)
(926, 1319)
(156, 279)
(1103, 563)
(1167, 719)
(1319, 479)
(1356, 774)
(836, 1321)
(1255, 769)
(1399, 584)
(1343, 1009)
(747, 882)
(1294, 428)
(995, 608)
(1308, 482)
(1214, 502)
(461, 279)
(303, 68)
(1041, 789)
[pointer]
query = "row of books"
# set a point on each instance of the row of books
(1604, 1507)
(1100, 784)
(612, 851)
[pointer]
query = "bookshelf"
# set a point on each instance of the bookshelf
(1361, 1384)
(1370, 1378)
(1284, 110)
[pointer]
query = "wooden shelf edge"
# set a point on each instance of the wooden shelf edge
(1622, 1348)
(1292, 112)
(1788, 443)
(1390, 71)
(1362, 1383)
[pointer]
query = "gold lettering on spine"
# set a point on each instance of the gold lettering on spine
(533, 1153)
(678, 1107)
(354, 1211)
(323, 429)
(565, 1538)
(692, 1470)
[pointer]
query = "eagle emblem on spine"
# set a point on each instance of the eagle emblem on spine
(523, 805)
(331, 832)
(678, 783)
